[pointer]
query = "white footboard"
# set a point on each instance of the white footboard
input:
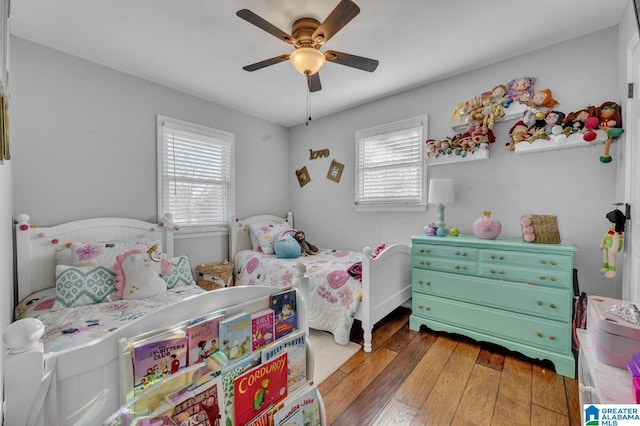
(386, 284)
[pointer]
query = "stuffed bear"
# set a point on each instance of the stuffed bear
(306, 247)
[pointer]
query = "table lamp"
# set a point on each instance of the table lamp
(440, 191)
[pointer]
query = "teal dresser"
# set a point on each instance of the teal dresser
(516, 294)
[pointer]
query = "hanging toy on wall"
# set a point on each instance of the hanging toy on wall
(612, 242)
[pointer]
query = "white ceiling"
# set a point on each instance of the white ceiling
(200, 46)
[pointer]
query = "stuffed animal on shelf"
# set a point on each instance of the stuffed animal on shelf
(306, 247)
(612, 242)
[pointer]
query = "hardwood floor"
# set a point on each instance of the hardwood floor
(430, 378)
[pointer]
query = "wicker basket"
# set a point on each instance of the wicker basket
(212, 276)
(540, 229)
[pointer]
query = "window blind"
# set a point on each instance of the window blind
(196, 173)
(390, 164)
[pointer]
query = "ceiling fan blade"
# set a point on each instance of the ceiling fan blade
(352, 61)
(266, 63)
(344, 12)
(313, 81)
(259, 22)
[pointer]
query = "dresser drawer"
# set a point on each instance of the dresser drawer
(559, 278)
(543, 302)
(452, 252)
(457, 266)
(535, 260)
(527, 330)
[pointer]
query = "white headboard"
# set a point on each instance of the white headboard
(36, 247)
(239, 230)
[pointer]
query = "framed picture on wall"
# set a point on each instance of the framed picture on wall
(303, 176)
(335, 171)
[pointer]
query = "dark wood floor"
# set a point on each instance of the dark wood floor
(429, 378)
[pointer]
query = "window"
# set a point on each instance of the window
(390, 166)
(195, 175)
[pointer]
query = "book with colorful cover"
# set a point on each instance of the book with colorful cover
(255, 390)
(201, 405)
(158, 357)
(294, 345)
(202, 339)
(235, 336)
(286, 314)
(229, 374)
(264, 418)
(301, 408)
(262, 329)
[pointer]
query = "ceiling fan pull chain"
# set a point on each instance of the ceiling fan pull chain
(308, 103)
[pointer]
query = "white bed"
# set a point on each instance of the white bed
(80, 385)
(386, 279)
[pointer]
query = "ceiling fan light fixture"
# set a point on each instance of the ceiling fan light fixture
(307, 60)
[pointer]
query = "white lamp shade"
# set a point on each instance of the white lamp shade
(441, 191)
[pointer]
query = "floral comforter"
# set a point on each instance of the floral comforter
(335, 291)
(70, 327)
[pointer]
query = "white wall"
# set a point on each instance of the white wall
(570, 183)
(85, 144)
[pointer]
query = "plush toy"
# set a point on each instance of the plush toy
(518, 133)
(612, 242)
(306, 247)
(521, 89)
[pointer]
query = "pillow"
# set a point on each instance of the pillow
(137, 277)
(82, 285)
(286, 246)
(105, 253)
(180, 274)
(266, 234)
(255, 244)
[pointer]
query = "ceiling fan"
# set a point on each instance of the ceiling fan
(307, 36)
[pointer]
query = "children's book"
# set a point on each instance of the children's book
(257, 389)
(158, 357)
(202, 339)
(286, 314)
(264, 418)
(294, 345)
(201, 405)
(235, 336)
(301, 408)
(229, 374)
(262, 329)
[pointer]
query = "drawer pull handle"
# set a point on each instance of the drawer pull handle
(493, 256)
(539, 334)
(500, 272)
(456, 267)
(421, 306)
(427, 263)
(493, 271)
(428, 282)
(464, 254)
(457, 253)
(420, 282)
(464, 267)
(539, 302)
(543, 277)
(552, 337)
(553, 305)
(544, 262)
(554, 263)
(428, 308)
(552, 278)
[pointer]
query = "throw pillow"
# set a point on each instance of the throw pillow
(105, 253)
(266, 235)
(180, 274)
(136, 277)
(82, 285)
(286, 246)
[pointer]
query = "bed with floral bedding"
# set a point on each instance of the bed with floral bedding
(343, 285)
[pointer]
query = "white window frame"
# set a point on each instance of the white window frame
(383, 131)
(218, 228)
